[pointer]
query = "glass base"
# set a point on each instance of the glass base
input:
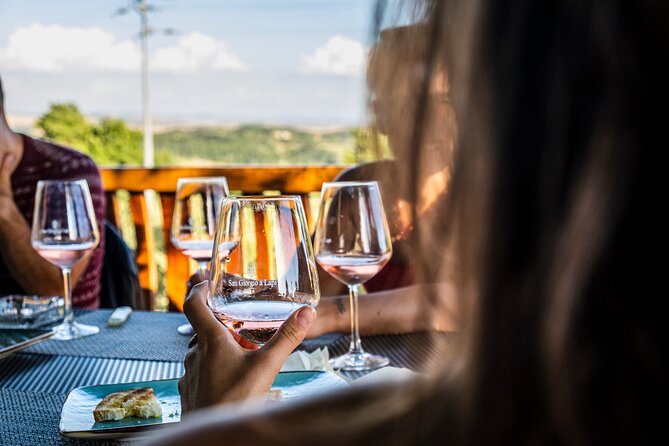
(356, 362)
(185, 329)
(68, 331)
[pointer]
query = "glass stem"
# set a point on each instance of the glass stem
(67, 287)
(203, 267)
(356, 346)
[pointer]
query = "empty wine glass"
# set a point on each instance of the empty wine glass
(352, 243)
(263, 266)
(64, 231)
(196, 209)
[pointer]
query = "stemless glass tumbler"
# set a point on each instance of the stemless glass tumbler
(263, 266)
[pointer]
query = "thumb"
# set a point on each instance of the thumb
(289, 335)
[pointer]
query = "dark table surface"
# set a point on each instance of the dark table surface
(35, 382)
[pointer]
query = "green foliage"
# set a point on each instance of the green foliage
(253, 144)
(118, 144)
(110, 142)
(65, 124)
(370, 145)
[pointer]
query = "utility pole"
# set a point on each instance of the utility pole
(143, 8)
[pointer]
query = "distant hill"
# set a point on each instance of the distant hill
(253, 144)
(111, 141)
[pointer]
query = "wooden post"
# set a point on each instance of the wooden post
(178, 265)
(145, 258)
(112, 211)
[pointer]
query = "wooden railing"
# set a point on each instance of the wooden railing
(293, 180)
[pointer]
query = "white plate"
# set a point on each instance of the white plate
(76, 418)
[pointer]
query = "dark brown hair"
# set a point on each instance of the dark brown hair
(554, 103)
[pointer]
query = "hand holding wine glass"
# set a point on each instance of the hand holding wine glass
(263, 267)
(64, 231)
(220, 370)
(352, 243)
(196, 210)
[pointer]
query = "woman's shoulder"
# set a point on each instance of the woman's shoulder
(382, 170)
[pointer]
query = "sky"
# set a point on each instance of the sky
(227, 61)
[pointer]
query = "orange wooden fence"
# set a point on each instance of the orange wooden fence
(292, 180)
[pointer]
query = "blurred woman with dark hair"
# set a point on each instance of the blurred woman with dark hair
(550, 224)
(397, 296)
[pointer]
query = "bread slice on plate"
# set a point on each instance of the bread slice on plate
(139, 403)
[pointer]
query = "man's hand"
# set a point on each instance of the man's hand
(219, 370)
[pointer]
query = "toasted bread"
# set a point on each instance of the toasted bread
(139, 403)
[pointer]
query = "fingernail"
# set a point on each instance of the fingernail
(306, 317)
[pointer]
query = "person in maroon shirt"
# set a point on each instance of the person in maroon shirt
(23, 162)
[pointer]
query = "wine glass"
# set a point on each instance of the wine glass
(263, 266)
(64, 231)
(196, 209)
(352, 244)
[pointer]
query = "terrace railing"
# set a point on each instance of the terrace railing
(304, 181)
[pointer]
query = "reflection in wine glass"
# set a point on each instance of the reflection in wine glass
(263, 266)
(196, 209)
(64, 231)
(352, 243)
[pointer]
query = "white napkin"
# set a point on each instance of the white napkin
(388, 375)
(319, 360)
(301, 360)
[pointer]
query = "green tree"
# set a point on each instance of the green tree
(110, 142)
(64, 123)
(369, 145)
(118, 143)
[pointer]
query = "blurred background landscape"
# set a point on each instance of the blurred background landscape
(113, 141)
(228, 81)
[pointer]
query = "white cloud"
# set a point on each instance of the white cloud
(55, 48)
(339, 56)
(197, 52)
(60, 49)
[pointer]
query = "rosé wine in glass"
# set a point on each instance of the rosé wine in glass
(198, 250)
(263, 267)
(352, 269)
(64, 231)
(63, 256)
(352, 244)
(256, 320)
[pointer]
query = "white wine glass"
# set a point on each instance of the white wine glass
(64, 231)
(196, 209)
(263, 267)
(352, 244)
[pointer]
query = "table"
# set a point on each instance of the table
(35, 381)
